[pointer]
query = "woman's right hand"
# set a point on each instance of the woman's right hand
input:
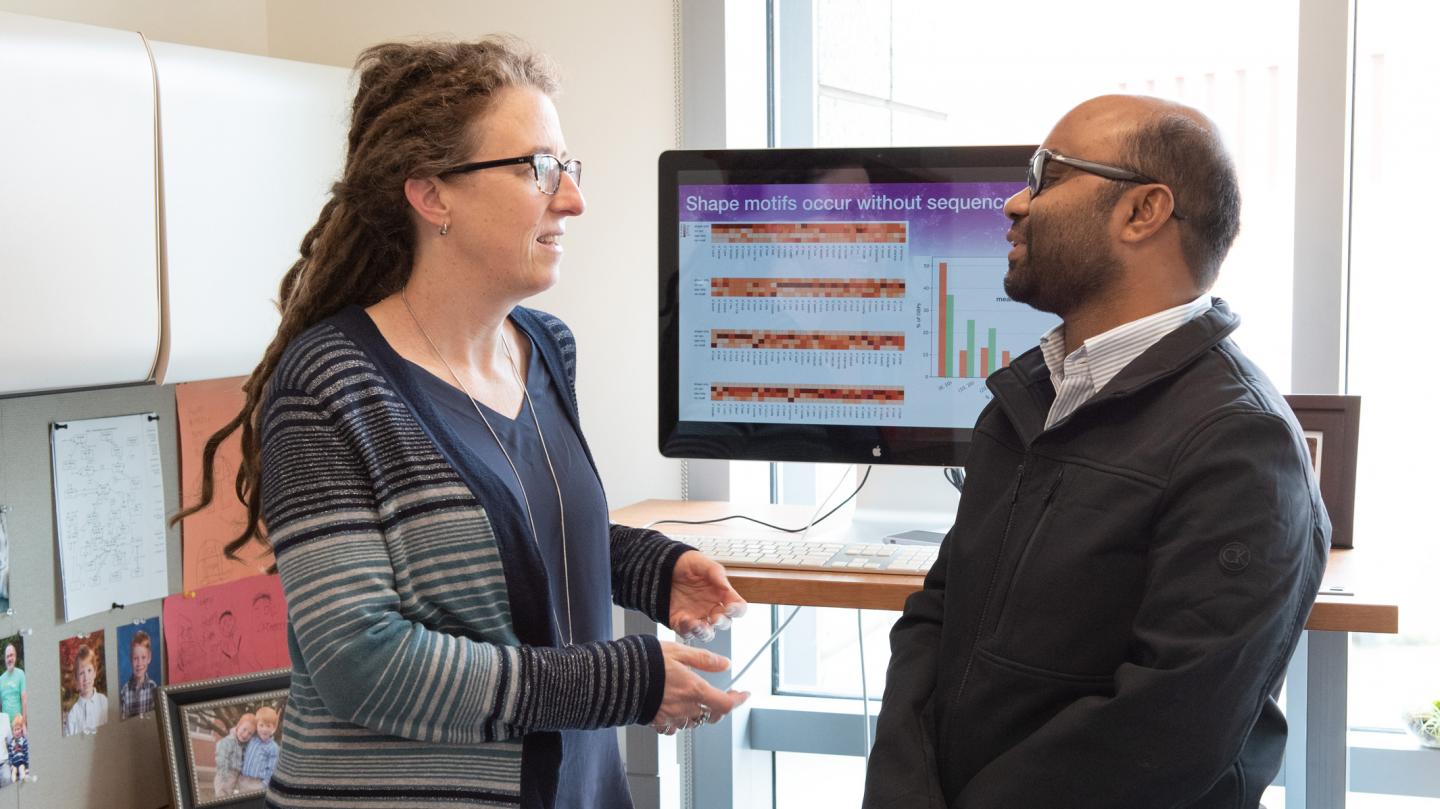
(689, 701)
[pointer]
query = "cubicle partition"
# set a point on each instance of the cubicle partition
(151, 198)
(79, 284)
(250, 147)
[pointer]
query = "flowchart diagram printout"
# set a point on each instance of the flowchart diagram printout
(109, 512)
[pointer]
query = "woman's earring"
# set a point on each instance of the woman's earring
(445, 229)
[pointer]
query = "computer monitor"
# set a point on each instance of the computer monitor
(835, 305)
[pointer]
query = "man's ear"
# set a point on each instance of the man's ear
(425, 195)
(1150, 207)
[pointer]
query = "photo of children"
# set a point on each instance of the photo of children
(139, 661)
(14, 703)
(83, 704)
(233, 744)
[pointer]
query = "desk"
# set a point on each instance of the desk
(1316, 771)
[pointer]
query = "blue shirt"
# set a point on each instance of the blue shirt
(591, 773)
(260, 757)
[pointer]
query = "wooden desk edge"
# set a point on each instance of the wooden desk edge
(887, 591)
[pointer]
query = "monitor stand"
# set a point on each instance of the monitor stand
(903, 499)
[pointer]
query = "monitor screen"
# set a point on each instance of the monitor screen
(835, 305)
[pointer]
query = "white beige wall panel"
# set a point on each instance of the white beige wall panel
(79, 297)
(249, 149)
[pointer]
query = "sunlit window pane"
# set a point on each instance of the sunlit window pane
(992, 73)
(1394, 286)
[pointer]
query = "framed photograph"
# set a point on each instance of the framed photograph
(1332, 433)
(221, 738)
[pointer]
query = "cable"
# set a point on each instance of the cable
(830, 494)
(956, 476)
(864, 685)
(807, 527)
(763, 647)
(774, 636)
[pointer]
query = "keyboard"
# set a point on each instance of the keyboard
(797, 554)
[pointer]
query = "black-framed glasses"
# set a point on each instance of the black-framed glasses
(548, 169)
(1035, 176)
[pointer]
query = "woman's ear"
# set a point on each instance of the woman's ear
(425, 195)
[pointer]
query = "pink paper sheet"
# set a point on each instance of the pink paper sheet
(232, 628)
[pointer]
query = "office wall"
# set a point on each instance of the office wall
(618, 110)
(230, 25)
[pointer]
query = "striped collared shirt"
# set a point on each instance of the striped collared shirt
(1091, 366)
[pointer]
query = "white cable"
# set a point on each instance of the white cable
(766, 645)
(864, 685)
(774, 636)
(826, 501)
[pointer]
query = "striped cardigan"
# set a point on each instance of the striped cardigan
(426, 667)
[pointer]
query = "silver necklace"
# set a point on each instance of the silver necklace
(544, 446)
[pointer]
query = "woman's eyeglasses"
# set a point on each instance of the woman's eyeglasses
(548, 169)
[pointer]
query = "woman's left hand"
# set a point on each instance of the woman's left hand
(701, 598)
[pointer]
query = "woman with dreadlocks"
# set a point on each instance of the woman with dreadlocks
(413, 456)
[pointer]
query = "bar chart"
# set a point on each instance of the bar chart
(974, 325)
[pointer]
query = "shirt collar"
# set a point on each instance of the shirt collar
(1107, 353)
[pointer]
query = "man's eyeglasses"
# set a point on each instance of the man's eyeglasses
(1035, 177)
(548, 169)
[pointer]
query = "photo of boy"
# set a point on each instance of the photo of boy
(17, 749)
(261, 752)
(140, 667)
(230, 755)
(83, 704)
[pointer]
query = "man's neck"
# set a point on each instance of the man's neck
(1112, 312)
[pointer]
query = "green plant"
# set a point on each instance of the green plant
(1425, 724)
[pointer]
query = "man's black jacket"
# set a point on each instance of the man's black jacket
(1117, 602)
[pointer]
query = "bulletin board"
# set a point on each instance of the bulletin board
(120, 765)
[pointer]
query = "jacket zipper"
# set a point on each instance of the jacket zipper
(1020, 563)
(990, 588)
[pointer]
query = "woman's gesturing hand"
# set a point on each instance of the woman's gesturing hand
(689, 701)
(701, 598)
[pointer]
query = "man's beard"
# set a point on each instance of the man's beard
(1067, 263)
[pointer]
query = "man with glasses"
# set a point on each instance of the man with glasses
(1141, 536)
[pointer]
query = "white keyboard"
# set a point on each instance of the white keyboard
(795, 554)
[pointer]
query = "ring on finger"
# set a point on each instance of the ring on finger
(704, 714)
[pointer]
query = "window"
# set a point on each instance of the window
(989, 73)
(1393, 290)
(961, 74)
